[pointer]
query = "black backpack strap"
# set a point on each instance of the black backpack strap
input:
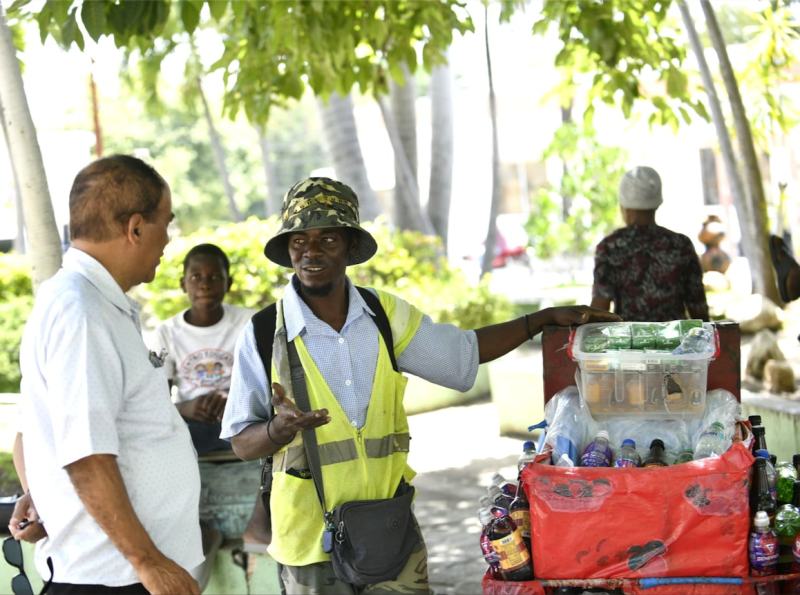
(264, 322)
(381, 321)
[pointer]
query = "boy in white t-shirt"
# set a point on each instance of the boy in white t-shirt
(200, 344)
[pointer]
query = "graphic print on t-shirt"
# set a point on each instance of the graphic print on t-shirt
(207, 368)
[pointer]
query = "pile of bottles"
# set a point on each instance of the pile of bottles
(711, 443)
(774, 544)
(506, 521)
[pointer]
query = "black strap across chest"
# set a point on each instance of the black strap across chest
(264, 331)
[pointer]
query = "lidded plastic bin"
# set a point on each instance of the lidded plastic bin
(648, 369)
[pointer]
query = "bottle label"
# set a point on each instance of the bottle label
(522, 518)
(796, 550)
(488, 551)
(625, 463)
(763, 552)
(512, 551)
(655, 464)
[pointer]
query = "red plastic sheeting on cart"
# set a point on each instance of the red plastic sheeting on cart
(686, 520)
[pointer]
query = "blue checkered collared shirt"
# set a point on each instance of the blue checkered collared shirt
(440, 353)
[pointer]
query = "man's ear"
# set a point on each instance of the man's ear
(134, 228)
(230, 284)
(355, 241)
(183, 283)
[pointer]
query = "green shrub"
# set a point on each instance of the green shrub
(14, 312)
(408, 264)
(15, 276)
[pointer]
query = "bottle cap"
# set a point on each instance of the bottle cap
(486, 501)
(796, 460)
(485, 515)
(718, 425)
(761, 520)
(528, 444)
(629, 442)
(755, 420)
(657, 442)
(764, 454)
(602, 434)
(758, 431)
(494, 491)
(498, 479)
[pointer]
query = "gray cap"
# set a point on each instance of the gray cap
(640, 188)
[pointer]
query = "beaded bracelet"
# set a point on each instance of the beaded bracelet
(273, 439)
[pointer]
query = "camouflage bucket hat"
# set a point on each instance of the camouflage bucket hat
(316, 203)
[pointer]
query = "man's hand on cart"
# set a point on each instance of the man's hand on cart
(573, 315)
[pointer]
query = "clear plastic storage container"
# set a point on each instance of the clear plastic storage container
(652, 369)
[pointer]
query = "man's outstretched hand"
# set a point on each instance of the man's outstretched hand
(573, 315)
(289, 419)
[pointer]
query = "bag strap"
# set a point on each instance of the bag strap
(264, 322)
(381, 321)
(303, 402)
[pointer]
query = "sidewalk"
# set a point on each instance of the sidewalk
(456, 451)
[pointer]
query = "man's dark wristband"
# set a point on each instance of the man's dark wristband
(528, 328)
(269, 435)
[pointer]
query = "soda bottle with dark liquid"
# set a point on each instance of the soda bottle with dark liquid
(760, 442)
(760, 497)
(507, 542)
(521, 514)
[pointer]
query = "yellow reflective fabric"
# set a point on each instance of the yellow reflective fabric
(381, 449)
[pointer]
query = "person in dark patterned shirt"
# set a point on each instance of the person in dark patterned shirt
(649, 272)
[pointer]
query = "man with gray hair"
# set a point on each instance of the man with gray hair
(649, 272)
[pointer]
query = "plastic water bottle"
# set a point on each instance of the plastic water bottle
(627, 456)
(498, 497)
(712, 442)
(598, 453)
(762, 547)
(772, 477)
(485, 516)
(508, 488)
(527, 456)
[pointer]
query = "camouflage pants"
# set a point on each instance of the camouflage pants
(319, 579)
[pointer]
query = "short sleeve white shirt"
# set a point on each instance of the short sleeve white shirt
(200, 358)
(91, 387)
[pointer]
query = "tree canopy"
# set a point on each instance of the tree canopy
(274, 50)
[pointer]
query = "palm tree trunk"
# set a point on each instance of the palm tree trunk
(344, 150)
(441, 183)
(726, 148)
(98, 132)
(272, 201)
(219, 157)
(497, 187)
(403, 99)
(26, 159)
(419, 220)
(760, 265)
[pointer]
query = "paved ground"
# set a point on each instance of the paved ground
(456, 451)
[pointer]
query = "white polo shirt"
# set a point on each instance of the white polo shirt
(90, 387)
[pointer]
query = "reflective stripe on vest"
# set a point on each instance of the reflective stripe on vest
(341, 452)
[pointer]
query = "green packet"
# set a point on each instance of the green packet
(643, 335)
(595, 343)
(688, 325)
(619, 336)
(669, 335)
